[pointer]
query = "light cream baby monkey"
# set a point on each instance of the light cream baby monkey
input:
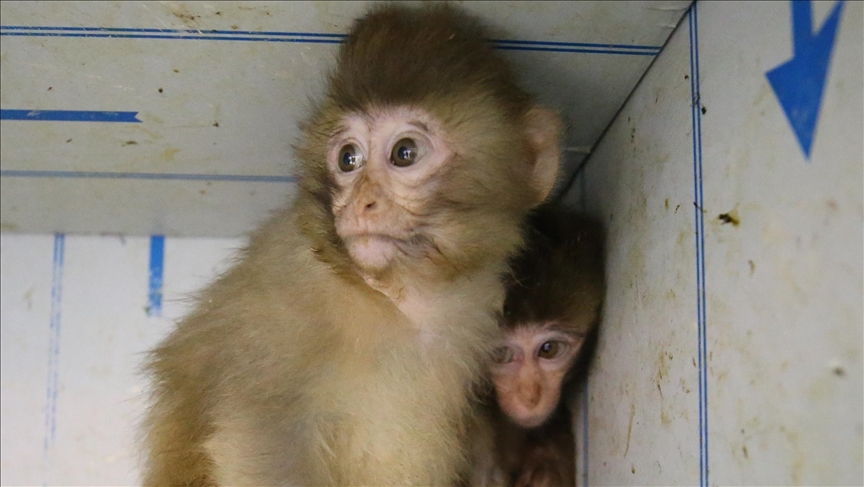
(342, 347)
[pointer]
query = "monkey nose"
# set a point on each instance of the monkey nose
(531, 394)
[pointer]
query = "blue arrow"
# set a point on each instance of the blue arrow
(800, 82)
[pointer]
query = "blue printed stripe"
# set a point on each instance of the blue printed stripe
(169, 36)
(301, 37)
(701, 312)
(157, 261)
(579, 50)
(53, 383)
(14, 173)
(581, 44)
(69, 116)
(170, 31)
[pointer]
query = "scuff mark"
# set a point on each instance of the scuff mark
(28, 298)
(630, 428)
(678, 7)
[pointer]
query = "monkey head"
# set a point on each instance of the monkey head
(424, 155)
(530, 368)
(553, 301)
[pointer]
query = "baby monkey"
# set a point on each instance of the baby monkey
(552, 307)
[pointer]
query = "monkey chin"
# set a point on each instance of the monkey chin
(531, 421)
(526, 416)
(372, 253)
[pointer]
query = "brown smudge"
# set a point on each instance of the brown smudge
(731, 217)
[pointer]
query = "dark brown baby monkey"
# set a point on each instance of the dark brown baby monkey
(343, 346)
(553, 305)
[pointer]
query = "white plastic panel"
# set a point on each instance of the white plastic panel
(77, 317)
(780, 363)
(731, 348)
(219, 87)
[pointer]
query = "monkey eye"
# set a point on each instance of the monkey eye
(550, 349)
(404, 153)
(350, 158)
(502, 355)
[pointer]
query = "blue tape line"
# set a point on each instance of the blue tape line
(157, 261)
(69, 116)
(696, 118)
(52, 382)
(14, 173)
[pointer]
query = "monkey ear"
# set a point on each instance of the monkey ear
(544, 128)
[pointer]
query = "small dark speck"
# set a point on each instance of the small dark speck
(176, 70)
(160, 90)
(752, 266)
(729, 218)
(50, 88)
(202, 192)
(130, 142)
(234, 27)
(839, 371)
(742, 431)
(216, 124)
(604, 464)
(218, 13)
(744, 449)
(633, 468)
(704, 110)
(68, 140)
(667, 203)
(686, 76)
(694, 362)
(676, 208)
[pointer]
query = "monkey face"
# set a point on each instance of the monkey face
(386, 165)
(529, 370)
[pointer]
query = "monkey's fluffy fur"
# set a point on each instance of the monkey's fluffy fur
(559, 276)
(292, 370)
